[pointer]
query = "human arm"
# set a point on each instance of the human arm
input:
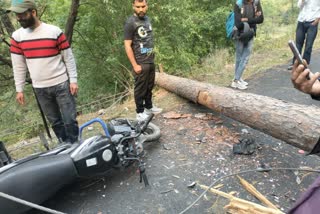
(300, 4)
(238, 20)
(259, 17)
(20, 69)
(19, 73)
(129, 30)
(69, 61)
(307, 85)
(136, 67)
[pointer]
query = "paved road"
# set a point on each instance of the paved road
(275, 82)
(179, 158)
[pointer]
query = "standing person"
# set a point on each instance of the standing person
(138, 43)
(44, 51)
(307, 27)
(246, 19)
(309, 200)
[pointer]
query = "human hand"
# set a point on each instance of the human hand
(258, 13)
(315, 22)
(304, 80)
(244, 19)
(20, 98)
(74, 89)
(137, 69)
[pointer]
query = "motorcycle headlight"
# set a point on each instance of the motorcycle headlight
(107, 155)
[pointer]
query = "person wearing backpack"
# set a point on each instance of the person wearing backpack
(246, 17)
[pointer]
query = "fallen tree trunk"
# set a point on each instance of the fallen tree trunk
(298, 125)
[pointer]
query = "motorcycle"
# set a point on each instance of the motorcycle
(37, 177)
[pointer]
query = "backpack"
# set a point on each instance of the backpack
(230, 21)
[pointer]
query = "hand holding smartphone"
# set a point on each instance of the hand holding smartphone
(297, 55)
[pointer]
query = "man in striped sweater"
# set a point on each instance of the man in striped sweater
(44, 51)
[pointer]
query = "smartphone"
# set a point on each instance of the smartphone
(297, 55)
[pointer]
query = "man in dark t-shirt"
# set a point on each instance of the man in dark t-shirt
(138, 42)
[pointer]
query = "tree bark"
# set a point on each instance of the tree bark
(7, 24)
(72, 19)
(297, 125)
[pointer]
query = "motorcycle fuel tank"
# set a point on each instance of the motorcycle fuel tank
(94, 156)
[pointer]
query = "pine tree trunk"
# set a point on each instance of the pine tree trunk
(298, 125)
(72, 19)
(7, 24)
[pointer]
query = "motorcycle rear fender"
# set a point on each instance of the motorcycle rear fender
(35, 180)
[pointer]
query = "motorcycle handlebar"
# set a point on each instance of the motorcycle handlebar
(95, 120)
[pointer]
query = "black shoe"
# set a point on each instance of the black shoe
(290, 67)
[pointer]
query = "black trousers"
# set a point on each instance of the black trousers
(306, 33)
(144, 83)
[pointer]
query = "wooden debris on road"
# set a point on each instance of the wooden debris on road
(250, 188)
(241, 206)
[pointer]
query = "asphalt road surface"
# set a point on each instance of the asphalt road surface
(198, 148)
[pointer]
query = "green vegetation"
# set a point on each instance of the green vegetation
(189, 37)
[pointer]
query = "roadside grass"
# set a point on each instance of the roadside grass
(269, 51)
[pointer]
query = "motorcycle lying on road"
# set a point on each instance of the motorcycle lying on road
(39, 176)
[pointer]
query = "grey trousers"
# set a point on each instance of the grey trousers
(59, 106)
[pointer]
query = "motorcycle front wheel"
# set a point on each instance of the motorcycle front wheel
(152, 133)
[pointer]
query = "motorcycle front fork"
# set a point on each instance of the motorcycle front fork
(143, 176)
(142, 170)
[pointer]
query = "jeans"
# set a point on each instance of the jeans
(305, 33)
(242, 57)
(59, 106)
(144, 83)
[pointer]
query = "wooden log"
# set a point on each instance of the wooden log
(238, 205)
(297, 125)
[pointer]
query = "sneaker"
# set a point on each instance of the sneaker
(243, 82)
(290, 67)
(153, 110)
(238, 85)
(142, 116)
